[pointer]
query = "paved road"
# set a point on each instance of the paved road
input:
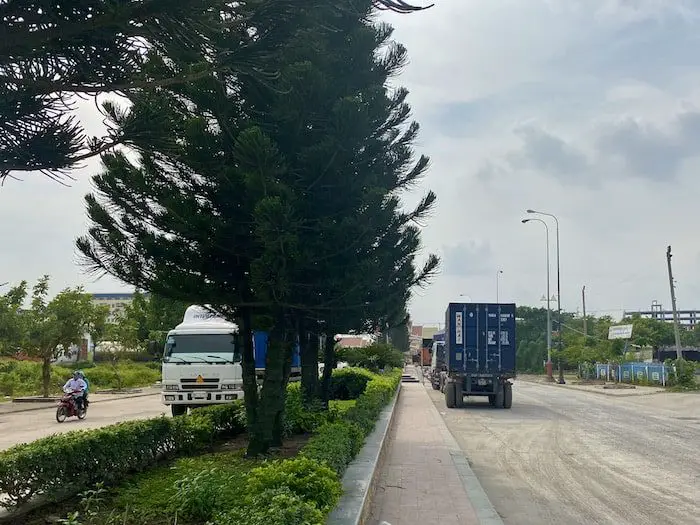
(566, 456)
(22, 427)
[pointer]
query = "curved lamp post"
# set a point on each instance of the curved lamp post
(559, 339)
(549, 311)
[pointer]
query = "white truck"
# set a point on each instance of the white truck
(202, 362)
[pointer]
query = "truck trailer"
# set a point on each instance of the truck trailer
(479, 353)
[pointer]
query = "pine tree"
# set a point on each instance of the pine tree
(223, 210)
(52, 54)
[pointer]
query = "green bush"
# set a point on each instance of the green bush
(109, 454)
(376, 357)
(273, 507)
(300, 418)
(682, 374)
(349, 383)
(136, 357)
(305, 477)
(198, 497)
(296, 491)
(335, 444)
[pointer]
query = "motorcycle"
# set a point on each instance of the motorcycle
(67, 407)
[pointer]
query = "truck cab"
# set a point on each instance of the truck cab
(201, 362)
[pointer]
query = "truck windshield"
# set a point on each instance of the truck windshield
(201, 344)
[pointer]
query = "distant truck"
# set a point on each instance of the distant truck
(202, 361)
(479, 353)
(438, 367)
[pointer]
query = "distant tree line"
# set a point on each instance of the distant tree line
(594, 346)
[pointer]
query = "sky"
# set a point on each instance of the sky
(586, 109)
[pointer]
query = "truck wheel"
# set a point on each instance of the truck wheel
(500, 396)
(492, 400)
(450, 395)
(436, 384)
(178, 410)
(507, 395)
(459, 397)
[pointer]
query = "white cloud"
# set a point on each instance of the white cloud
(585, 108)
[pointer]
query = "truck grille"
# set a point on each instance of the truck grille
(208, 383)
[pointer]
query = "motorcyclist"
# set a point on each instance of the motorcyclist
(87, 387)
(77, 386)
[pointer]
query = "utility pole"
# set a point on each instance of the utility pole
(676, 330)
(585, 321)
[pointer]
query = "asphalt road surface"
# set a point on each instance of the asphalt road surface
(566, 456)
(22, 427)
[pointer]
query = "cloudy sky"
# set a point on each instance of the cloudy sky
(588, 109)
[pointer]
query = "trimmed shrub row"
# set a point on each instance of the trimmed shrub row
(305, 489)
(337, 443)
(69, 463)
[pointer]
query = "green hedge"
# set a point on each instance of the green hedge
(72, 462)
(305, 489)
(337, 443)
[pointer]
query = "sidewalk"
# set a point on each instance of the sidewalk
(425, 478)
(11, 408)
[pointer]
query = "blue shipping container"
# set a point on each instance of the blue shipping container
(480, 338)
(260, 350)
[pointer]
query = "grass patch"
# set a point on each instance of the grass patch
(23, 378)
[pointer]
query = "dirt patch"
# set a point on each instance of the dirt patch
(290, 448)
(588, 382)
(618, 386)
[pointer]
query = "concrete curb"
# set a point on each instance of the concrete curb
(485, 511)
(32, 406)
(360, 479)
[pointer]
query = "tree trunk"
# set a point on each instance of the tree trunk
(250, 383)
(328, 366)
(266, 431)
(309, 363)
(46, 376)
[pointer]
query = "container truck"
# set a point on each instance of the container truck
(479, 353)
(202, 361)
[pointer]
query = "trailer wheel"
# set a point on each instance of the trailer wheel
(450, 395)
(500, 396)
(459, 396)
(436, 385)
(492, 400)
(507, 395)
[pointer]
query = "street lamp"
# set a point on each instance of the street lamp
(498, 274)
(549, 311)
(559, 340)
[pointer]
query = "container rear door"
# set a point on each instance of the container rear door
(497, 338)
(481, 338)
